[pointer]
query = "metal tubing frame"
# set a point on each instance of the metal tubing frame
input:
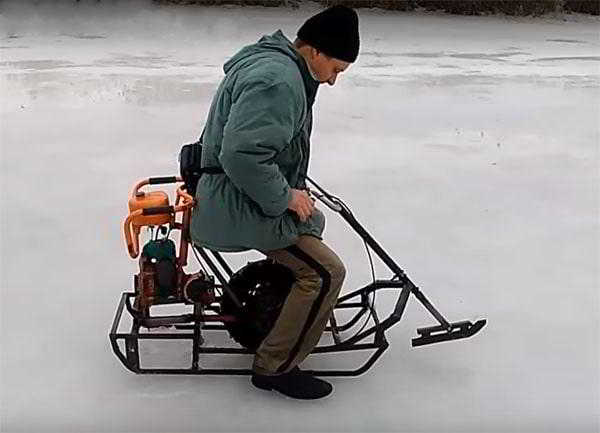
(379, 343)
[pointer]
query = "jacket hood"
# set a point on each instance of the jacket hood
(276, 43)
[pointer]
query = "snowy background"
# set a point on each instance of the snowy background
(468, 147)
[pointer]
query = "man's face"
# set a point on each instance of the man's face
(327, 68)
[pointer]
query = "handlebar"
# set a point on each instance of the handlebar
(139, 218)
(331, 203)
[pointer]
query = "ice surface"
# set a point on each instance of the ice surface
(468, 146)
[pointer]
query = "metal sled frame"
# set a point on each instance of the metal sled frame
(372, 338)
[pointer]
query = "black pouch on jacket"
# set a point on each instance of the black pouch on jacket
(190, 168)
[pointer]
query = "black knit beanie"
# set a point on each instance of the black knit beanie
(333, 31)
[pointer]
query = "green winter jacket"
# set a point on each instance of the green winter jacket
(258, 130)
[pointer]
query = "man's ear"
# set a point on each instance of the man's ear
(314, 52)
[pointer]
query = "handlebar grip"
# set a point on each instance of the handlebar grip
(159, 180)
(158, 210)
(334, 206)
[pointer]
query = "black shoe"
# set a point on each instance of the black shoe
(295, 383)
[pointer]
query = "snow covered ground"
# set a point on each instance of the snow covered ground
(468, 146)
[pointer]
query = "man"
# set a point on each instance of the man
(258, 130)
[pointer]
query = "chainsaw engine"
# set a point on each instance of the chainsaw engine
(161, 278)
(162, 281)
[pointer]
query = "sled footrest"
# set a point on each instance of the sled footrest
(455, 331)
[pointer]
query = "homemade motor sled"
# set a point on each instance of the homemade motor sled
(245, 303)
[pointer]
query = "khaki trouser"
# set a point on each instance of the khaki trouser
(319, 276)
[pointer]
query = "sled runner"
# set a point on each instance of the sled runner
(245, 304)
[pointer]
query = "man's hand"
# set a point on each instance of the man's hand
(302, 204)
